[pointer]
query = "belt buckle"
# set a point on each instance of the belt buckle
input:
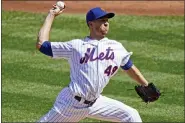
(92, 102)
(82, 101)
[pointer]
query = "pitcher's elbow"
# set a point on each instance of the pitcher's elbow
(38, 44)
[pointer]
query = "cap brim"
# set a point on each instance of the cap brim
(108, 15)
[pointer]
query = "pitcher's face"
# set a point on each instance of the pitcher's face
(100, 27)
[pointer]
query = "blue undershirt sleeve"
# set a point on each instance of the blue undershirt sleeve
(128, 65)
(46, 48)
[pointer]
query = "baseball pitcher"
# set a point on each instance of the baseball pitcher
(93, 61)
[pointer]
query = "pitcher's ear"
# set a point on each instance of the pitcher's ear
(89, 23)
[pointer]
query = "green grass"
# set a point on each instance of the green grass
(31, 80)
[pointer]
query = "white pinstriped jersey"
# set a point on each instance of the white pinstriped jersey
(92, 63)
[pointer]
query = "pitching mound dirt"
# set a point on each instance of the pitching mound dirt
(119, 7)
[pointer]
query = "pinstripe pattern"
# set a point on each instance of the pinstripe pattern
(63, 50)
(92, 73)
(92, 64)
(108, 109)
(66, 109)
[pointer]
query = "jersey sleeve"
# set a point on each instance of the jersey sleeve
(126, 56)
(62, 49)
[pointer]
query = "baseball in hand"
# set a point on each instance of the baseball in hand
(60, 4)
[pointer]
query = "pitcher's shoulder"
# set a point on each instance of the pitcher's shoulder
(77, 41)
(114, 41)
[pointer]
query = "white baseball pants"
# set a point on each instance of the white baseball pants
(67, 109)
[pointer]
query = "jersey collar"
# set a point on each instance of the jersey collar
(88, 39)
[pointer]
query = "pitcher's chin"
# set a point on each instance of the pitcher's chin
(104, 33)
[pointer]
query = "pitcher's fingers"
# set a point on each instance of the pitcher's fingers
(54, 6)
(61, 11)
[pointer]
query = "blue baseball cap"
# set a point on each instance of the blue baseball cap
(97, 13)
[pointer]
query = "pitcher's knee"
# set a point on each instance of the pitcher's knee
(136, 117)
(132, 116)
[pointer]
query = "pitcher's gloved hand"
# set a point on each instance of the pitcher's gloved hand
(148, 93)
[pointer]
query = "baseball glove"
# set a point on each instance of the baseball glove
(148, 93)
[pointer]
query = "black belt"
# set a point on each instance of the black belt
(86, 101)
